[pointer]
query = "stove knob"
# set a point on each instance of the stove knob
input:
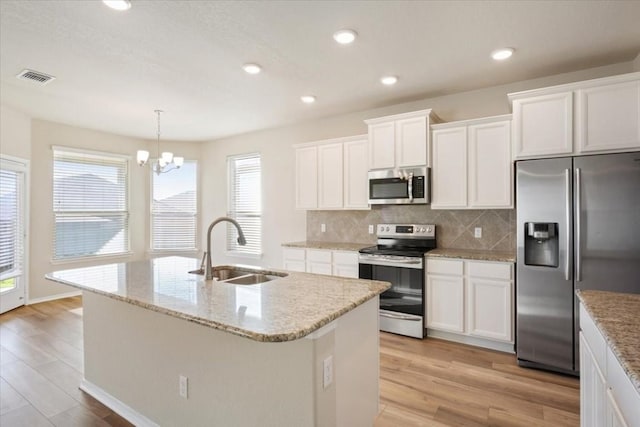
(428, 229)
(386, 229)
(422, 230)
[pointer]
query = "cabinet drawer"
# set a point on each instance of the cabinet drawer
(445, 266)
(594, 338)
(350, 258)
(293, 254)
(318, 255)
(492, 270)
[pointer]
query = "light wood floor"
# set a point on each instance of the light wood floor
(423, 383)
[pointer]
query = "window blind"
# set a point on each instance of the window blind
(11, 224)
(90, 204)
(174, 208)
(245, 203)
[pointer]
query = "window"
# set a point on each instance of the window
(90, 204)
(245, 203)
(12, 227)
(174, 207)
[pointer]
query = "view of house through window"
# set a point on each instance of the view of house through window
(245, 203)
(90, 204)
(174, 207)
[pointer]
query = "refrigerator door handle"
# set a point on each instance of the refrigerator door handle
(567, 265)
(578, 225)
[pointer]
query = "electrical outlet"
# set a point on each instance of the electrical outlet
(477, 232)
(183, 386)
(370, 228)
(323, 228)
(327, 372)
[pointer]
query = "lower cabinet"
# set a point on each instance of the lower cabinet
(607, 396)
(321, 261)
(470, 298)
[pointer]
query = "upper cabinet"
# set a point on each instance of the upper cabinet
(594, 116)
(472, 164)
(401, 140)
(332, 174)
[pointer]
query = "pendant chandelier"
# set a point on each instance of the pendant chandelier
(165, 162)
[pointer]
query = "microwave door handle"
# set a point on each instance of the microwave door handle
(410, 187)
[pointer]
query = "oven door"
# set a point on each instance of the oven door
(402, 305)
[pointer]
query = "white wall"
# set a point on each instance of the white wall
(636, 63)
(44, 135)
(281, 222)
(15, 133)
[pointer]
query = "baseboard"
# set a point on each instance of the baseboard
(478, 342)
(126, 412)
(54, 297)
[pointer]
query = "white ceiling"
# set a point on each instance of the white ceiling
(113, 68)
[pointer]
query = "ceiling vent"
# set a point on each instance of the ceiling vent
(35, 76)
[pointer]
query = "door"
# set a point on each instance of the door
(445, 303)
(356, 167)
(411, 142)
(13, 221)
(382, 145)
(545, 294)
(330, 184)
(449, 168)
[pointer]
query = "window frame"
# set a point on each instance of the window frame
(197, 215)
(238, 252)
(80, 151)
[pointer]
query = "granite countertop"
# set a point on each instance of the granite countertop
(334, 246)
(283, 309)
(480, 255)
(617, 316)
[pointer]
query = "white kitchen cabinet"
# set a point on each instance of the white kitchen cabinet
(593, 116)
(607, 396)
(330, 182)
(294, 259)
(321, 261)
(470, 298)
(449, 172)
(472, 166)
(307, 177)
(356, 167)
(608, 117)
(332, 174)
(400, 140)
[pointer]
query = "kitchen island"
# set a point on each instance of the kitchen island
(165, 347)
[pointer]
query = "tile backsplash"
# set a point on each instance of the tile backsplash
(454, 228)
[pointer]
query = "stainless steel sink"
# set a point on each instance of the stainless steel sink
(240, 276)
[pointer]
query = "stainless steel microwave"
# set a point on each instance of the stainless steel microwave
(399, 186)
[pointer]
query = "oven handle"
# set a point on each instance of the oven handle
(392, 315)
(408, 263)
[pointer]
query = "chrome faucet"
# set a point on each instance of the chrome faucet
(241, 240)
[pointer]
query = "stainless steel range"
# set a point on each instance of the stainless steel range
(398, 258)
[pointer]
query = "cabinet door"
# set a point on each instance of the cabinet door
(592, 388)
(293, 259)
(490, 176)
(319, 267)
(490, 308)
(608, 117)
(614, 417)
(543, 125)
(307, 178)
(411, 142)
(445, 303)
(356, 183)
(449, 172)
(330, 183)
(382, 145)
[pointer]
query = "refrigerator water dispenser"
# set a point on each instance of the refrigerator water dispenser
(541, 244)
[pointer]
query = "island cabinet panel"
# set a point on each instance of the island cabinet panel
(135, 356)
(607, 396)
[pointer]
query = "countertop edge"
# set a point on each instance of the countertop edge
(256, 336)
(632, 374)
(334, 246)
(471, 254)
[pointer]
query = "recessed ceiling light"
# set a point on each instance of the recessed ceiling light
(501, 54)
(118, 4)
(308, 99)
(252, 68)
(389, 80)
(345, 36)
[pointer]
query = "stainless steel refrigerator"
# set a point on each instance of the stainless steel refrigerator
(578, 224)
